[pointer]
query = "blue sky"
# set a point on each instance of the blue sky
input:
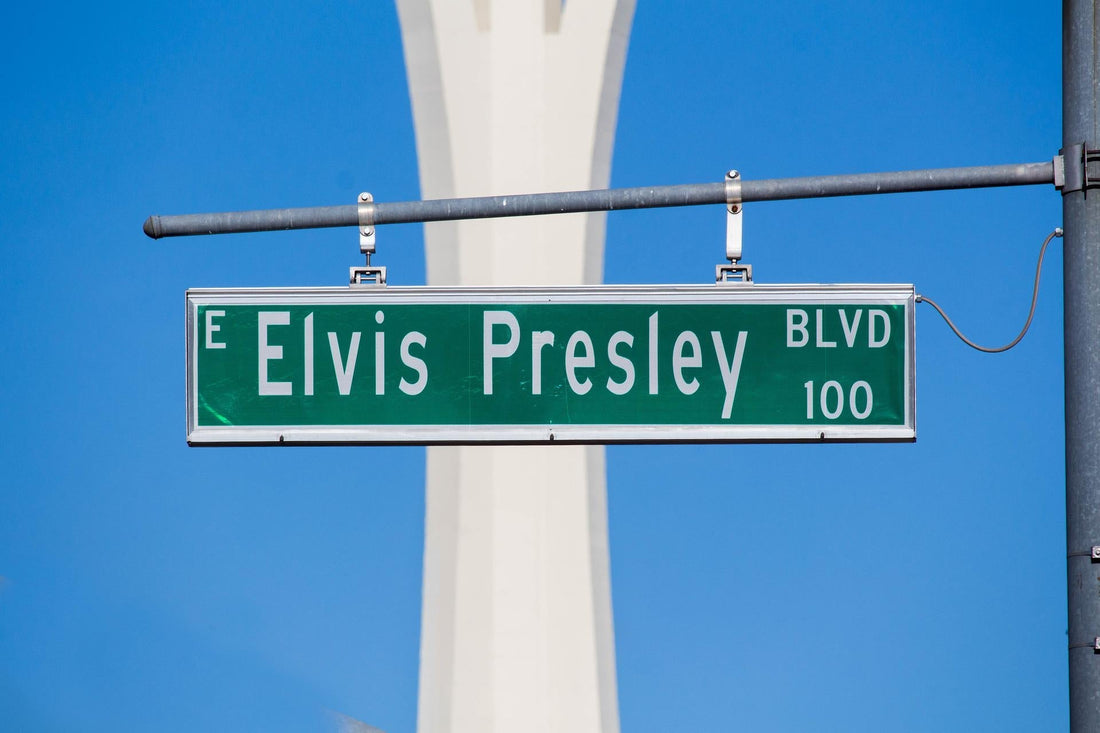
(147, 585)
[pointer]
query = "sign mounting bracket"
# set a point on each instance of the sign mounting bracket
(367, 275)
(734, 272)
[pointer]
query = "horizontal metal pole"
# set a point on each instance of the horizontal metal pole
(693, 194)
(932, 179)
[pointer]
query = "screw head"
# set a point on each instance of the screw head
(364, 196)
(732, 174)
(367, 231)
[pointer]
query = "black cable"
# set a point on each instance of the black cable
(1030, 314)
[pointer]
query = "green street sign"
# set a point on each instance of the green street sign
(600, 364)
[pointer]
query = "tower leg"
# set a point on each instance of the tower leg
(516, 96)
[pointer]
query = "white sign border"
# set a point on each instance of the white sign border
(863, 294)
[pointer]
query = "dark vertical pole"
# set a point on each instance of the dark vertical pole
(1081, 220)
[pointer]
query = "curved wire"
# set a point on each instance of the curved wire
(1030, 314)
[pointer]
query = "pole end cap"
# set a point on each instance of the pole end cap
(152, 227)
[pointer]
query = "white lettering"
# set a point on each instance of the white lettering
(680, 361)
(832, 386)
(268, 352)
(211, 329)
(379, 356)
(620, 388)
(731, 371)
(868, 404)
(573, 361)
(415, 363)
(380, 363)
(539, 340)
(821, 342)
(307, 357)
(345, 372)
(871, 340)
(800, 326)
(653, 354)
(850, 330)
(491, 350)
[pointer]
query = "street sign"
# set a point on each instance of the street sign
(598, 364)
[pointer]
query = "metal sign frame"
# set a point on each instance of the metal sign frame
(371, 434)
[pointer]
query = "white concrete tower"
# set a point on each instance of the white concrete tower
(516, 96)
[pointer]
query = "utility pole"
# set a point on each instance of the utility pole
(1081, 220)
